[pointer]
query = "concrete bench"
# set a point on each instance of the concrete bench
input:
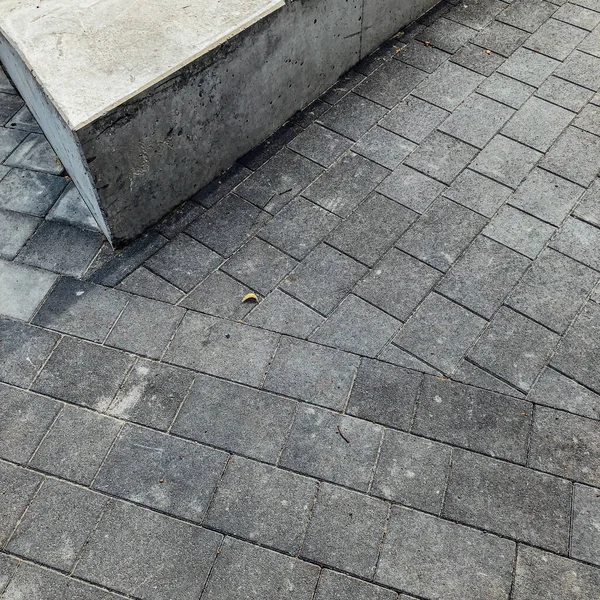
(147, 101)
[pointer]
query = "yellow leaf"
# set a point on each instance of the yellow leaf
(249, 297)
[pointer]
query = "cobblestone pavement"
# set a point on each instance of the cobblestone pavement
(412, 408)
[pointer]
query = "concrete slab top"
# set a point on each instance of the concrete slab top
(92, 55)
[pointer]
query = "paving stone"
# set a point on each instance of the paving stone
(9, 106)
(18, 488)
(401, 358)
(585, 541)
(566, 445)
(346, 184)
(23, 351)
(473, 418)
(510, 500)
(582, 69)
(591, 4)
(506, 161)
(500, 38)
(9, 140)
(413, 118)
(477, 13)
(345, 530)
(564, 93)
(384, 394)
(589, 119)
(15, 229)
(475, 564)
(578, 16)
(83, 373)
(222, 348)
(321, 145)
(8, 566)
(312, 373)
(527, 14)
(440, 332)
(590, 44)
(477, 59)
(478, 193)
(471, 374)
(184, 262)
(307, 116)
(353, 116)
(389, 84)
(412, 471)
(579, 241)
(504, 89)
(70, 208)
(442, 233)
(398, 284)
(34, 153)
(557, 391)
(82, 309)
(342, 87)
(514, 348)
(553, 290)
(23, 289)
(24, 420)
(222, 185)
(145, 283)
(335, 586)
(145, 327)
(255, 423)
(384, 147)
(324, 278)
(333, 447)
(164, 557)
(5, 84)
(411, 188)
(544, 576)
(299, 227)
(227, 225)
(174, 223)
(426, 58)
(260, 573)
(589, 207)
(529, 67)
(270, 147)
(446, 35)
(57, 524)
(555, 39)
(262, 504)
(448, 86)
(24, 121)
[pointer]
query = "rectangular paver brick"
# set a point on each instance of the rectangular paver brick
(336, 586)
(582, 69)
(15, 229)
(319, 144)
(500, 38)
(585, 540)
(555, 39)
(479, 193)
(580, 241)
(506, 90)
(529, 67)
(446, 35)
(527, 14)
(414, 118)
(384, 147)
(564, 93)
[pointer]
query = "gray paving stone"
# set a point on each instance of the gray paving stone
(24, 121)
(582, 69)
(5, 83)
(473, 418)
(448, 86)
(401, 358)
(24, 420)
(145, 327)
(324, 278)
(589, 119)
(578, 16)
(262, 504)
(260, 573)
(557, 391)
(514, 348)
(510, 500)
(591, 4)
(545, 576)
(227, 225)
(426, 58)
(566, 445)
(307, 116)
(179, 219)
(579, 241)
(564, 93)
(411, 188)
(529, 67)
(333, 447)
(222, 185)
(351, 179)
(218, 347)
(255, 423)
(8, 566)
(412, 471)
(413, 118)
(476, 14)
(383, 147)
(299, 227)
(18, 488)
(259, 155)
(23, 289)
(34, 153)
(589, 207)
(9, 140)
(555, 39)
(504, 89)
(345, 530)
(553, 290)
(70, 208)
(184, 262)
(478, 193)
(23, 351)
(57, 524)
(284, 314)
(15, 229)
(353, 116)
(384, 394)
(320, 144)
(506, 161)
(446, 35)
(475, 564)
(500, 38)
(9, 106)
(590, 44)
(83, 373)
(343, 86)
(143, 282)
(135, 551)
(162, 472)
(442, 233)
(397, 284)
(440, 332)
(471, 374)
(335, 586)
(527, 14)
(478, 59)
(585, 541)
(312, 373)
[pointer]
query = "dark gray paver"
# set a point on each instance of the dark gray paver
(500, 38)
(9, 105)
(57, 524)
(24, 121)
(9, 140)
(555, 39)
(479, 193)
(515, 348)
(476, 14)
(412, 471)
(579, 241)
(527, 14)
(262, 504)
(475, 565)
(8, 566)
(478, 59)
(384, 147)
(30, 192)
(585, 540)
(335, 586)
(446, 35)
(235, 418)
(333, 447)
(139, 552)
(426, 58)
(34, 153)
(589, 119)
(179, 219)
(15, 229)
(510, 500)
(342, 87)
(70, 208)
(397, 356)
(222, 185)
(564, 93)
(589, 207)
(529, 67)
(582, 69)
(507, 90)
(476, 419)
(345, 530)
(578, 15)
(259, 155)
(468, 373)
(414, 119)
(76, 444)
(440, 332)
(320, 144)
